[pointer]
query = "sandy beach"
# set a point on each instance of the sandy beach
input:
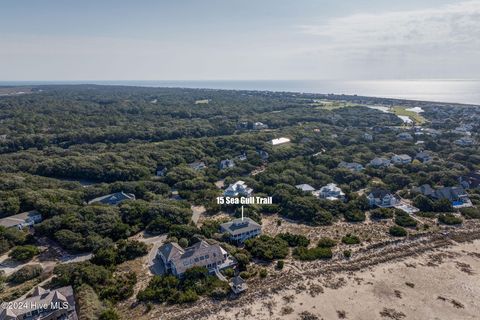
(442, 284)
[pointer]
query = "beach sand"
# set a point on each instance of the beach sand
(440, 284)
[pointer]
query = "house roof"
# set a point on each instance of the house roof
(237, 281)
(305, 187)
(113, 198)
(380, 193)
(473, 179)
(178, 256)
(39, 298)
(18, 219)
(280, 141)
(239, 226)
(402, 157)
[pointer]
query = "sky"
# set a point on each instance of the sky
(54, 40)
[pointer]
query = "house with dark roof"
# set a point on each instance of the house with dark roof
(470, 180)
(226, 164)
(43, 304)
(113, 199)
(161, 171)
(380, 162)
(423, 156)
(263, 154)
(382, 198)
(177, 260)
(241, 229)
(198, 165)
(238, 285)
(404, 136)
(457, 196)
(21, 220)
(401, 159)
(352, 166)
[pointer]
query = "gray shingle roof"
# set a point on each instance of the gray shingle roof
(239, 226)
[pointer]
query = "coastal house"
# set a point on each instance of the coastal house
(21, 220)
(279, 141)
(423, 156)
(161, 171)
(382, 198)
(113, 199)
(457, 196)
(238, 285)
(305, 187)
(241, 229)
(238, 189)
(227, 164)
(404, 136)
(380, 162)
(43, 304)
(197, 165)
(242, 157)
(263, 154)
(367, 137)
(352, 166)
(177, 260)
(464, 142)
(259, 126)
(470, 180)
(330, 192)
(401, 159)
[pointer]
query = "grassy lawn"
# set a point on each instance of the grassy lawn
(332, 105)
(416, 117)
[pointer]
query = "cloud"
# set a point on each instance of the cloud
(435, 42)
(450, 24)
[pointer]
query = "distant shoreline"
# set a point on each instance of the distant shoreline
(441, 91)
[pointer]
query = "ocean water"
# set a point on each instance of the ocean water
(453, 91)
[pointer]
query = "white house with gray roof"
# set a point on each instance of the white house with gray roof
(177, 260)
(330, 192)
(238, 189)
(241, 229)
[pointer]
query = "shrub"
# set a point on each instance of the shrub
(26, 273)
(109, 314)
(351, 239)
(449, 219)
(381, 213)
(229, 272)
(24, 253)
(403, 219)
(294, 240)
(470, 213)
(326, 243)
(397, 231)
(305, 254)
(267, 248)
(347, 253)
(354, 215)
(280, 264)
(263, 273)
